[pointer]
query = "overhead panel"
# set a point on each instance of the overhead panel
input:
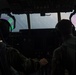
(39, 6)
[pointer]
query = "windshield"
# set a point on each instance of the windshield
(36, 20)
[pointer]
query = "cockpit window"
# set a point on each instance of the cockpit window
(21, 21)
(43, 22)
(65, 15)
(36, 20)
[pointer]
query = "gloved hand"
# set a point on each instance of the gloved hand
(43, 61)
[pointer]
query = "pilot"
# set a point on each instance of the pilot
(63, 61)
(15, 59)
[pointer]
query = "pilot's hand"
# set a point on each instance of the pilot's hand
(43, 61)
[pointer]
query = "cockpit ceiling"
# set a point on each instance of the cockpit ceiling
(37, 6)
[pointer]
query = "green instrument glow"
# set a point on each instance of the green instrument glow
(11, 21)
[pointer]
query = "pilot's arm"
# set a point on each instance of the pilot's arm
(23, 64)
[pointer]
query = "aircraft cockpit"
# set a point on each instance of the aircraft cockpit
(32, 29)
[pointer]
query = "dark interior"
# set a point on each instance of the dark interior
(36, 43)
